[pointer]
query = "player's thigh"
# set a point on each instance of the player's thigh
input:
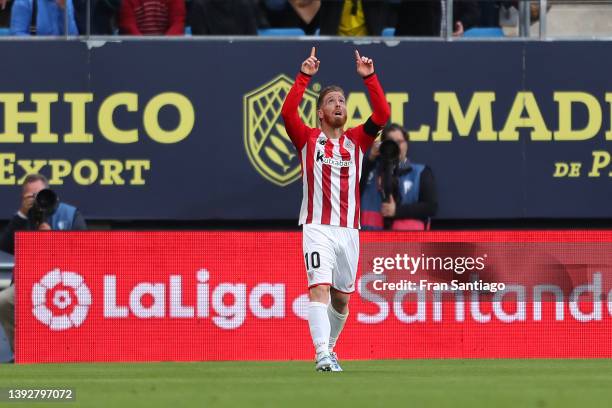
(347, 260)
(319, 255)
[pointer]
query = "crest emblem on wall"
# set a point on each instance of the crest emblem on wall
(267, 144)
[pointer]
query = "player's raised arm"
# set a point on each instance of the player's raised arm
(380, 107)
(296, 129)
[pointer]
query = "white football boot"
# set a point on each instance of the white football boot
(335, 365)
(324, 363)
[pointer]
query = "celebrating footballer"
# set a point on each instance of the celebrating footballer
(331, 168)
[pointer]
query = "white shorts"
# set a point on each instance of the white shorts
(331, 255)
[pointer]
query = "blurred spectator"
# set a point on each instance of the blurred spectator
(80, 15)
(5, 13)
(352, 17)
(152, 17)
(425, 18)
(392, 6)
(489, 13)
(103, 14)
(534, 8)
(414, 199)
(224, 17)
(293, 13)
(42, 17)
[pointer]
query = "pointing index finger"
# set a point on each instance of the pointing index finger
(357, 56)
(312, 51)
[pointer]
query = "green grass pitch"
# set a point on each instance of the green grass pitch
(389, 383)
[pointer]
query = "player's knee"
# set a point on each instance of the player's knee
(340, 301)
(319, 293)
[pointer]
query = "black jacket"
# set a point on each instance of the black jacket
(223, 17)
(422, 18)
(375, 13)
(7, 240)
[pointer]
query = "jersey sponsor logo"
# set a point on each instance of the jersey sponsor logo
(267, 144)
(330, 161)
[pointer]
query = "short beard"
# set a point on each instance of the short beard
(336, 122)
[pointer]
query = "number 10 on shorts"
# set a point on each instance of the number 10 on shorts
(312, 260)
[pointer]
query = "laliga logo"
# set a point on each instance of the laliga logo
(61, 300)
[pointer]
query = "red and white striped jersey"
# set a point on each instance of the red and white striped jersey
(331, 168)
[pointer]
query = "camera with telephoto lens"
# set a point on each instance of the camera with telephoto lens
(389, 165)
(45, 205)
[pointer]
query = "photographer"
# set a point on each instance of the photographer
(40, 210)
(396, 193)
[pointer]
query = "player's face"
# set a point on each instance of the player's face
(398, 138)
(333, 109)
